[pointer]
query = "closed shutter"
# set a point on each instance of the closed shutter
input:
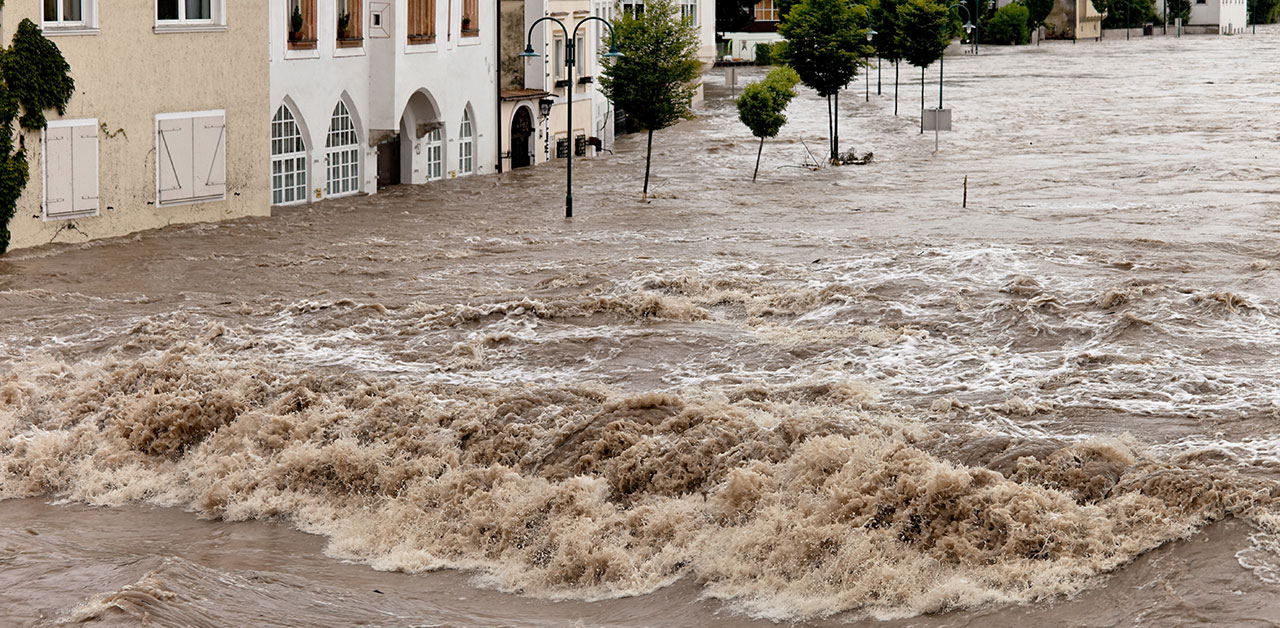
(58, 172)
(84, 149)
(173, 158)
(209, 156)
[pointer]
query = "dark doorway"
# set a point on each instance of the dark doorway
(389, 163)
(521, 131)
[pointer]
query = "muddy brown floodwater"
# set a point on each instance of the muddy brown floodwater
(832, 397)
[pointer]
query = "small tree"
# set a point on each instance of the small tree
(884, 21)
(36, 78)
(761, 105)
(1038, 11)
(825, 44)
(654, 81)
(1009, 26)
(924, 32)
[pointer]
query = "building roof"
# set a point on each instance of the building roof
(522, 94)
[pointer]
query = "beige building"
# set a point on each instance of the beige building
(169, 122)
(1073, 19)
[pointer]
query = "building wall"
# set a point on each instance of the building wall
(126, 74)
(394, 89)
(1230, 15)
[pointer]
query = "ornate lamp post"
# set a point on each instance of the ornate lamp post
(569, 56)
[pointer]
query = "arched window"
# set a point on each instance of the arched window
(466, 140)
(343, 153)
(288, 159)
(435, 155)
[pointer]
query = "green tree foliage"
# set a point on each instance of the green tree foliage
(1126, 13)
(761, 105)
(1264, 11)
(883, 16)
(1038, 11)
(734, 15)
(825, 43)
(1176, 9)
(1009, 26)
(655, 80)
(36, 78)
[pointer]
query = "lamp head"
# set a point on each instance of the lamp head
(613, 52)
(528, 51)
(968, 27)
(871, 32)
(544, 106)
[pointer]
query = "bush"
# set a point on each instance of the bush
(767, 54)
(1008, 26)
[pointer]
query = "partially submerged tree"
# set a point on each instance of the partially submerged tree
(655, 79)
(884, 21)
(923, 35)
(825, 44)
(761, 105)
(1009, 26)
(36, 78)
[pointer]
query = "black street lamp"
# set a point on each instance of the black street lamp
(871, 33)
(569, 57)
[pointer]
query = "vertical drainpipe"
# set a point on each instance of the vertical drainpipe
(497, 35)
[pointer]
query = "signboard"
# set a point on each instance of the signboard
(730, 76)
(936, 119)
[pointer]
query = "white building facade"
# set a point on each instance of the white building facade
(375, 92)
(1230, 16)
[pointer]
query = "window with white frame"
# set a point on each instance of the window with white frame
(191, 157)
(634, 8)
(466, 141)
(69, 150)
(343, 153)
(190, 12)
(557, 58)
(689, 10)
(288, 159)
(766, 11)
(69, 14)
(580, 56)
(435, 155)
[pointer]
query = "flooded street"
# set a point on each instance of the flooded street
(832, 397)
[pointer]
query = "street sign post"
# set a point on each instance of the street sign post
(936, 119)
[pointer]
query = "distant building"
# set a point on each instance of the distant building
(1073, 19)
(763, 30)
(167, 123)
(1229, 16)
(372, 93)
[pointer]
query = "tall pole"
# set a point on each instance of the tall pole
(568, 90)
(878, 74)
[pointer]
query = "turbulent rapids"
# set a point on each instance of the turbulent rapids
(878, 407)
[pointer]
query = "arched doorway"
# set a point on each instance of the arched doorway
(521, 136)
(421, 145)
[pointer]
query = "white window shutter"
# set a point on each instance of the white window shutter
(173, 158)
(209, 156)
(84, 148)
(58, 170)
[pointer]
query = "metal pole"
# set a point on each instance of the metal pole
(942, 61)
(878, 75)
(568, 64)
(867, 75)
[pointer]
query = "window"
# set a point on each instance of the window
(288, 159)
(184, 10)
(343, 154)
(435, 155)
(465, 142)
(634, 8)
(557, 63)
(766, 11)
(69, 14)
(350, 31)
(191, 157)
(470, 18)
(70, 159)
(689, 11)
(579, 55)
(302, 24)
(422, 21)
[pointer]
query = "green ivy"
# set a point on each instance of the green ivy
(36, 78)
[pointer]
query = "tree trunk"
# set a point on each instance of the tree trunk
(831, 131)
(758, 151)
(922, 100)
(895, 87)
(835, 138)
(648, 158)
